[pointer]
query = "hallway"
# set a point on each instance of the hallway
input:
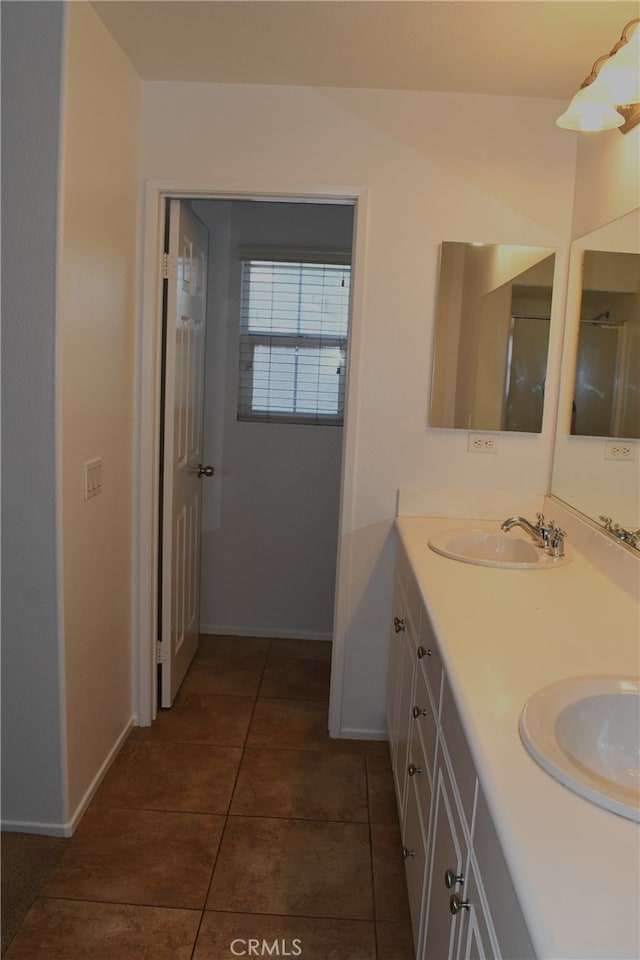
(232, 821)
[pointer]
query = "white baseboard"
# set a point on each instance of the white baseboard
(68, 829)
(100, 775)
(31, 826)
(225, 630)
(359, 733)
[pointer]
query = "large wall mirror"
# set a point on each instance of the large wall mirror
(606, 394)
(597, 455)
(491, 337)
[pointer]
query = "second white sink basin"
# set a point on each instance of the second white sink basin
(585, 732)
(494, 548)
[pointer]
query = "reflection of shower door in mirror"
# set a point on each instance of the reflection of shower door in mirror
(595, 390)
(525, 374)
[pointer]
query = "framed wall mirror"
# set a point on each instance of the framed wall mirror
(491, 337)
(596, 465)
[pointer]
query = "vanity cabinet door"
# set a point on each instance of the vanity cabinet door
(478, 940)
(414, 844)
(405, 697)
(449, 854)
(396, 658)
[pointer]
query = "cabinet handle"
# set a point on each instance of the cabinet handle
(423, 653)
(451, 878)
(407, 854)
(456, 904)
(399, 625)
(417, 712)
(412, 769)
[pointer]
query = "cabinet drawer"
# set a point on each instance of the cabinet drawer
(413, 599)
(511, 930)
(424, 721)
(421, 774)
(459, 753)
(431, 661)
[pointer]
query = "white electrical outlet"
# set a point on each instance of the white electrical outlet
(482, 443)
(92, 475)
(619, 450)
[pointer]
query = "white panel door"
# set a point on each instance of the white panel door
(186, 297)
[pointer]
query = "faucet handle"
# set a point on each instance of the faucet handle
(556, 541)
(540, 519)
(607, 521)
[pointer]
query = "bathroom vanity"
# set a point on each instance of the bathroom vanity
(501, 859)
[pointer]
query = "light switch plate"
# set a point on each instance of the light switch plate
(92, 472)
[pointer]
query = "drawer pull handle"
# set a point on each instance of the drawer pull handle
(399, 624)
(456, 904)
(413, 769)
(407, 854)
(423, 653)
(451, 878)
(417, 712)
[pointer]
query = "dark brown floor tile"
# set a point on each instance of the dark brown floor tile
(301, 649)
(237, 677)
(309, 938)
(382, 797)
(313, 785)
(389, 883)
(218, 720)
(294, 867)
(222, 645)
(72, 930)
(395, 941)
(27, 862)
(286, 677)
(302, 725)
(192, 777)
(139, 856)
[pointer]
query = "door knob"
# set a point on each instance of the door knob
(205, 471)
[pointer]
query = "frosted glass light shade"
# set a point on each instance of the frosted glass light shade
(619, 76)
(590, 111)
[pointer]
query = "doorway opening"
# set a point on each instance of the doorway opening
(270, 512)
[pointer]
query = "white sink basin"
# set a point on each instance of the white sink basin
(585, 732)
(494, 548)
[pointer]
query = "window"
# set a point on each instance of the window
(294, 327)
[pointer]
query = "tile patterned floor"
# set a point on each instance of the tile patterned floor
(233, 820)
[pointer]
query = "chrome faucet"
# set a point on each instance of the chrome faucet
(539, 533)
(632, 537)
(545, 535)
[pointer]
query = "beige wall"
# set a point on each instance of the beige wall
(96, 405)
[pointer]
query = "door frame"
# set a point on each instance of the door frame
(147, 406)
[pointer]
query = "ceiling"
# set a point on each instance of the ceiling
(528, 48)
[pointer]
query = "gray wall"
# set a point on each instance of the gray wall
(270, 514)
(32, 753)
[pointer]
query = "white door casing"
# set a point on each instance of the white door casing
(149, 363)
(183, 421)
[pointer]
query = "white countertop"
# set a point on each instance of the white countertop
(504, 634)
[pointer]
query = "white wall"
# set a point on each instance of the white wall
(270, 513)
(32, 739)
(96, 354)
(433, 167)
(607, 179)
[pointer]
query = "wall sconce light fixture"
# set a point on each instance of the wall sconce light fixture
(610, 96)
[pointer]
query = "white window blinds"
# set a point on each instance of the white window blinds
(294, 327)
